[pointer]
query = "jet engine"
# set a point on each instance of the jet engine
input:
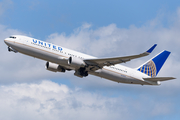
(54, 67)
(76, 62)
(79, 65)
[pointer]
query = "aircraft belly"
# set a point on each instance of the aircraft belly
(117, 77)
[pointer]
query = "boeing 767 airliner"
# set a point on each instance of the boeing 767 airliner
(60, 59)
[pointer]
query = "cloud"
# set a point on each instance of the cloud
(49, 100)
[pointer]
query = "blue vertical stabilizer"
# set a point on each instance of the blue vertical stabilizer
(153, 66)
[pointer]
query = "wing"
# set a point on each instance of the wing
(99, 63)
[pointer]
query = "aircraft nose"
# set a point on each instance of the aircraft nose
(6, 41)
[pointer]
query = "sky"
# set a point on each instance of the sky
(99, 28)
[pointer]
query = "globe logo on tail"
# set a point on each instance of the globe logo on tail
(149, 69)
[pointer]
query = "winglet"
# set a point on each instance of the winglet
(151, 49)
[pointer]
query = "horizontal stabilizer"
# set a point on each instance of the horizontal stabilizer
(159, 79)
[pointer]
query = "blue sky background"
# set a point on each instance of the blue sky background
(41, 17)
(100, 28)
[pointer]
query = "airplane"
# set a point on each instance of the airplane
(60, 59)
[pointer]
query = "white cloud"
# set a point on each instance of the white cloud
(48, 100)
(113, 41)
(162, 108)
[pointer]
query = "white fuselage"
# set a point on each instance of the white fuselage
(60, 55)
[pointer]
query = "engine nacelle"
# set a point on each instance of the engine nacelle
(76, 62)
(54, 67)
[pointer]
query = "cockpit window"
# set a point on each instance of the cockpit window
(12, 37)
